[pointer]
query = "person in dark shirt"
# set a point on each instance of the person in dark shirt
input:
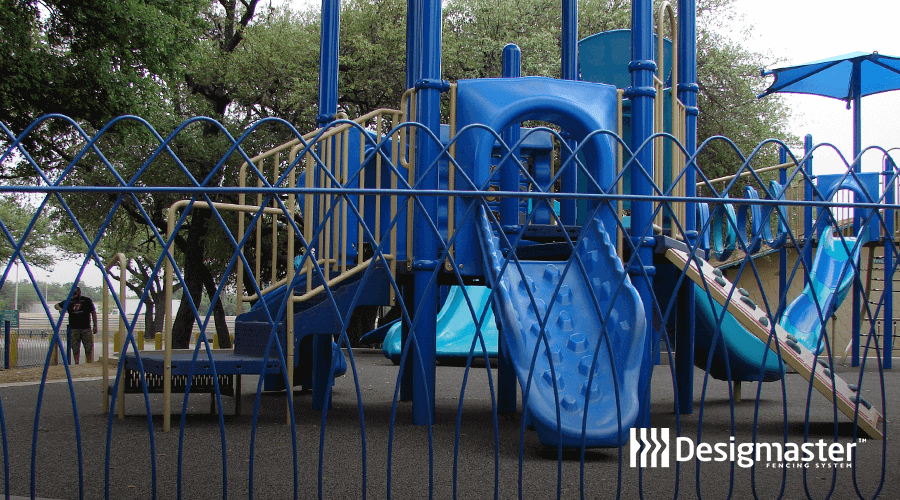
(81, 311)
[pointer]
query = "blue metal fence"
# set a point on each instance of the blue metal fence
(557, 414)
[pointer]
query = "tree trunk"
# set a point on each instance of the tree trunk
(193, 280)
(218, 312)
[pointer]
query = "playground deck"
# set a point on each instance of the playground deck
(391, 455)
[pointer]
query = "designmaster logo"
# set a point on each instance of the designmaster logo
(653, 447)
(656, 448)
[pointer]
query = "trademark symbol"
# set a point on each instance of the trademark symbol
(862, 440)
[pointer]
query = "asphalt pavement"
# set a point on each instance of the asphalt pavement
(59, 437)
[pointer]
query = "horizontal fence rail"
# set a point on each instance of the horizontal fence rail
(554, 376)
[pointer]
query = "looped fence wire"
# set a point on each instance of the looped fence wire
(351, 435)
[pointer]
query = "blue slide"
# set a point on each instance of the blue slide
(743, 350)
(581, 338)
(829, 282)
(456, 327)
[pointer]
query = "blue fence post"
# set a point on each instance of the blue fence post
(6, 340)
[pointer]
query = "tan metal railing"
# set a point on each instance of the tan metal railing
(122, 262)
(677, 113)
(332, 248)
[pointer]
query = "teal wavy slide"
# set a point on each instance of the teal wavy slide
(456, 327)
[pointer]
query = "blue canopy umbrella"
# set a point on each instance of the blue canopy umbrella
(848, 77)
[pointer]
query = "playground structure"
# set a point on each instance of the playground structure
(384, 209)
(547, 270)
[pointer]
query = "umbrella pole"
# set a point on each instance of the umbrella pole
(855, 93)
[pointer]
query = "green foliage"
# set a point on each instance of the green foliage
(15, 216)
(89, 60)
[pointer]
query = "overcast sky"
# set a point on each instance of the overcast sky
(801, 31)
(797, 31)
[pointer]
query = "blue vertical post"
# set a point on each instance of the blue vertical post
(687, 94)
(328, 100)
(642, 93)
(782, 252)
(328, 61)
(509, 171)
(413, 74)
(413, 42)
(888, 293)
(807, 210)
(427, 256)
(568, 209)
(856, 92)
(509, 207)
(857, 214)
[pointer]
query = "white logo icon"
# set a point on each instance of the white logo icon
(656, 447)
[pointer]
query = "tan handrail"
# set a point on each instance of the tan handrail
(122, 262)
(745, 173)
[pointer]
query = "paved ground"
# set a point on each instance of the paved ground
(371, 457)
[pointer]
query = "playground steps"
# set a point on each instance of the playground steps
(316, 316)
(795, 354)
(316, 321)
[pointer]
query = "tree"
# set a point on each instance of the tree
(15, 216)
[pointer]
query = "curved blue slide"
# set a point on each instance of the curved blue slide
(572, 355)
(829, 282)
(743, 350)
(456, 327)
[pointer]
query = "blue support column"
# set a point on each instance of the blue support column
(328, 61)
(642, 93)
(782, 252)
(427, 254)
(413, 42)
(888, 294)
(413, 74)
(509, 207)
(568, 209)
(687, 94)
(328, 100)
(509, 171)
(808, 211)
(857, 215)
(569, 47)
